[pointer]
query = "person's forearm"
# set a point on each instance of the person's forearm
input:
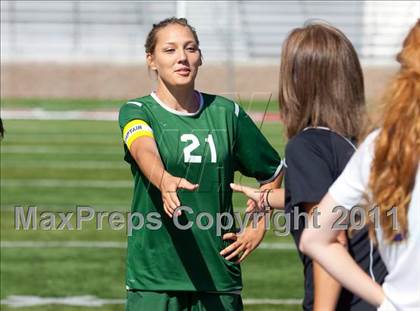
(326, 289)
(152, 167)
(276, 198)
(321, 242)
(147, 157)
(262, 221)
(346, 271)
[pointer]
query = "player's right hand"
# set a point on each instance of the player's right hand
(169, 185)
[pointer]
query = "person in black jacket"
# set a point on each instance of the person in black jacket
(322, 103)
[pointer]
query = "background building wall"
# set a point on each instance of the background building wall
(94, 49)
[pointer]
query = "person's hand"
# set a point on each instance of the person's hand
(168, 187)
(251, 206)
(253, 194)
(243, 243)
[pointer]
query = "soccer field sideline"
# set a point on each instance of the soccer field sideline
(97, 115)
(18, 301)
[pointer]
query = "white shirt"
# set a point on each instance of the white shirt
(402, 259)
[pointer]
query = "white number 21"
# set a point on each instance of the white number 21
(195, 143)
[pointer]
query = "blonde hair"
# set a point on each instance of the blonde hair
(397, 147)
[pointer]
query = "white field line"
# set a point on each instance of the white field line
(95, 115)
(16, 301)
(62, 183)
(62, 244)
(267, 301)
(103, 165)
(66, 183)
(112, 244)
(40, 114)
(93, 301)
(98, 207)
(61, 150)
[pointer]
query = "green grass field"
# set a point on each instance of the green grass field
(56, 165)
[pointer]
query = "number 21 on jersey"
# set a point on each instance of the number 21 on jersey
(195, 143)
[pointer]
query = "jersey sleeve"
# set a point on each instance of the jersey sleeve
(253, 154)
(308, 174)
(134, 122)
(349, 188)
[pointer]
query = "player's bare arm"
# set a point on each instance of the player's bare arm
(146, 154)
(326, 289)
(324, 246)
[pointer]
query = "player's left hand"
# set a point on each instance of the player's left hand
(255, 198)
(243, 243)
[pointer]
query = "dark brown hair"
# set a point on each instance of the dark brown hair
(321, 81)
(152, 36)
(397, 147)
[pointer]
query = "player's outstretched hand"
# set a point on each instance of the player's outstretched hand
(243, 243)
(169, 185)
(253, 194)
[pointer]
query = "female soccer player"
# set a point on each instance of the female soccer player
(322, 102)
(386, 167)
(178, 139)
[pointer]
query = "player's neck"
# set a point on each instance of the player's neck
(180, 99)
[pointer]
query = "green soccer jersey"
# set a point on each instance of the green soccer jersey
(206, 148)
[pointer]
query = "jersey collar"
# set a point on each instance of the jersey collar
(179, 113)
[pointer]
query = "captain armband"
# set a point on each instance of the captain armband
(135, 129)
